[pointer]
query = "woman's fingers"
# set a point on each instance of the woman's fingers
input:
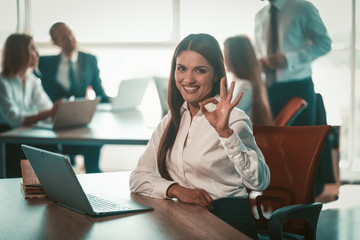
(205, 199)
(222, 88)
(210, 100)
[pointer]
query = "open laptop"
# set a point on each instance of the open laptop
(71, 114)
(61, 185)
(161, 84)
(129, 96)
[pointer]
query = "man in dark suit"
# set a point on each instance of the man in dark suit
(59, 79)
(68, 74)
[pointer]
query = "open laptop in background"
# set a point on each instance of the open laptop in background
(70, 114)
(129, 96)
(61, 185)
(161, 84)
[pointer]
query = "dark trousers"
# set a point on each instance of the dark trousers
(237, 213)
(281, 93)
(314, 114)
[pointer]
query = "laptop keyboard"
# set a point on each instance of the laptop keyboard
(103, 205)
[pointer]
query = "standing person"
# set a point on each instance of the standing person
(203, 152)
(241, 61)
(23, 100)
(70, 74)
(290, 34)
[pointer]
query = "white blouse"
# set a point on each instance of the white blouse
(18, 101)
(201, 159)
(245, 104)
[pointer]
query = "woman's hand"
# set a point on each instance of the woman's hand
(54, 108)
(42, 115)
(193, 196)
(219, 118)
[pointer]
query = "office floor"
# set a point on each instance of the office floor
(339, 219)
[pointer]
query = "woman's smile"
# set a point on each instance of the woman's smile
(190, 89)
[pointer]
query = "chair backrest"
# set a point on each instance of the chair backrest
(290, 111)
(292, 154)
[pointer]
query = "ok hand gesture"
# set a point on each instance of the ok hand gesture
(219, 118)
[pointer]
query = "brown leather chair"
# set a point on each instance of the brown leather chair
(290, 111)
(292, 154)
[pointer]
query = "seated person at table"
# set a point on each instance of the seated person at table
(241, 61)
(71, 72)
(203, 152)
(68, 74)
(23, 100)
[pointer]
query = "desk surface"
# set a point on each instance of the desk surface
(43, 219)
(128, 127)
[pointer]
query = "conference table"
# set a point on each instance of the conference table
(22, 218)
(127, 127)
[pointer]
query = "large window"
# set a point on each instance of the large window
(108, 21)
(137, 38)
(8, 19)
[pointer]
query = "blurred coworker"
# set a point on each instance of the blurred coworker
(23, 100)
(290, 35)
(241, 61)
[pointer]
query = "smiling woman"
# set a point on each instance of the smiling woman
(202, 157)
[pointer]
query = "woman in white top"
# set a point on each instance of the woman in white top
(241, 61)
(23, 101)
(203, 152)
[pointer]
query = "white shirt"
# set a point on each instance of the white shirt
(63, 71)
(302, 36)
(18, 102)
(245, 103)
(220, 166)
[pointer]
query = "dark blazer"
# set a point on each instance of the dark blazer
(88, 75)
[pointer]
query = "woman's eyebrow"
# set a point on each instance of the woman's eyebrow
(201, 66)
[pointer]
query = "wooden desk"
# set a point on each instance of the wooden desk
(130, 127)
(42, 219)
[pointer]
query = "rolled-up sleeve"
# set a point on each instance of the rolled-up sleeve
(247, 158)
(316, 32)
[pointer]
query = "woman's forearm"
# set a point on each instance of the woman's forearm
(37, 117)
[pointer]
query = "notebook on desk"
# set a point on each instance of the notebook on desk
(71, 114)
(62, 186)
(129, 96)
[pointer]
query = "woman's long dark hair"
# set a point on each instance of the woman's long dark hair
(16, 55)
(240, 58)
(207, 46)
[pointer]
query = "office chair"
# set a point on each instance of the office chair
(292, 154)
(290, 111)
